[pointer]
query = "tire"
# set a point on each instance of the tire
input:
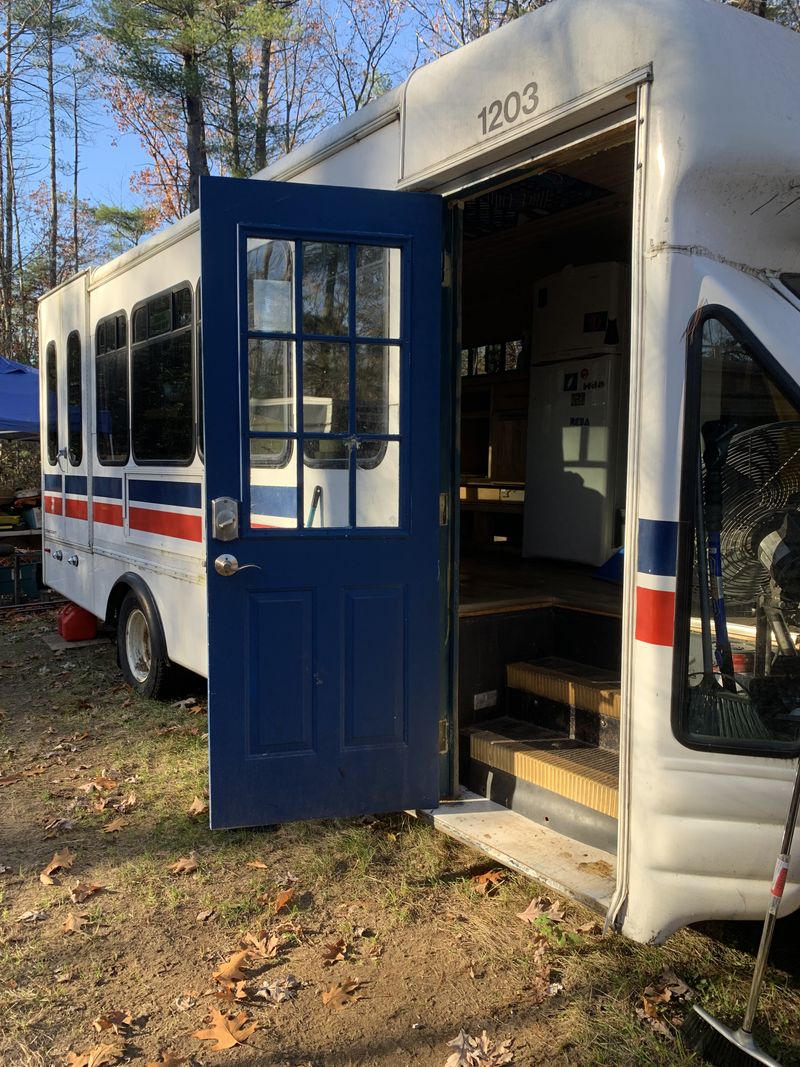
(140, 651)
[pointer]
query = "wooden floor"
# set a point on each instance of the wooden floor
(493, 584)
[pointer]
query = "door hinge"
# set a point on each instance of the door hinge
(444, 737)
(447, 270)
(444, 509)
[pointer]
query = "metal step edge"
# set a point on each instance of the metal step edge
(581, 872)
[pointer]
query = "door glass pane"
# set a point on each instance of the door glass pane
(326, 387)
(270, 285)
(378, 484)
(271, 388)
(377, 389)
(377, 291)
(743, 678)
(326, 288)
(326, 490)
(273, 483)
(74, 400)
(52, 403)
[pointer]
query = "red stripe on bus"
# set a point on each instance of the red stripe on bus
(52, 505)
(75, 509)
(187, 527)
(108, 514)
(655, 616)
(266, 526)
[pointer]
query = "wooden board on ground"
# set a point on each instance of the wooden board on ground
(56, 643)
(579, 871)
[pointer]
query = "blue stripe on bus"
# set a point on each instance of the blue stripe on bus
(658, 547)
(179, 494)
(277, 500)
(111, 488)
(75, 483)
(52, 481)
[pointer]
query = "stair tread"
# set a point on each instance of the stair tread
(572, 769)
(568, 682)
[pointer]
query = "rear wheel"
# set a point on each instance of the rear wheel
(143, 663)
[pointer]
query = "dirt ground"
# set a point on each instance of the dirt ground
(419, 939)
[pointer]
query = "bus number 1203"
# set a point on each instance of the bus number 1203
(506, 112)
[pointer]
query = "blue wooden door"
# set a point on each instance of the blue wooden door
(321, 371)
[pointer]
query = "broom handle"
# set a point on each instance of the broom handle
(778, 883)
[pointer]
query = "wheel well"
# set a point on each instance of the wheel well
(132, 583)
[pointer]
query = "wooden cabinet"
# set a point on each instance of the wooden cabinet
(494, 429)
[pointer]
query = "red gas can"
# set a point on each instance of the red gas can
(75, 624)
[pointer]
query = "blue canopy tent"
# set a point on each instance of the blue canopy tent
(19, 400)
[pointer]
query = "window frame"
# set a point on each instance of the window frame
(686, 523)
(71, 454)
(133, 345)
(52, 425)
(114, 316)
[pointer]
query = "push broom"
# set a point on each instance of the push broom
(714, 1041)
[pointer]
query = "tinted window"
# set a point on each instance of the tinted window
(162, 382)
(741, 598)
(52, 402)
(111, 391)
(74, 400)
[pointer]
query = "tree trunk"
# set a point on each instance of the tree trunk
(262, 111)
(196, 154)
(6, 282)
(233, 107)
(75, 161)
(52, 261)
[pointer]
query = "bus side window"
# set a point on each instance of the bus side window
(739, 684)
(74, 400)
(111, 391)
(162, 380)
(51, 373)
(199, 369)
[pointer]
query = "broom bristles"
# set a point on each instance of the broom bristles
(718, 1044)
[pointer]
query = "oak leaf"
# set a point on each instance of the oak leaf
(204, 916)
(81, 892)
(61, 861)
(342, 994)
(74, 923)
(488, 882)
(257, 865)
(100, 784)
(263, 945)
(231, 991)
(185, 865)
(280, 990)
(541, 906)
(282, 900)
(32, 916)
(197, 807)
(225, 1031)
(116, 825)
(118, 1021)
(128, 802)
(99, 1056)
(231, 970)
(478, 1051)
(334, 953)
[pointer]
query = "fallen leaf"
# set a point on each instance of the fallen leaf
(82, 891)
(99, 784)
(9, 779)
(197, 807)
(280, 990)
(118, 1021)
(204, 916)
(225, 1031)
(185, 1002)
(263, 945)
(116, 825)
(488, 882)
(282, 900)
(61, 861)
(478, 1051)
(231, 970)
(257, 865)
(541, 906)
(592, 927)
(32, 917)
(99, 1056)
(553, 988)
(74, 923)
(127, 803)
(334, 953)
(185, 865)
(232, 991)
(168, 1059)
(342, 994)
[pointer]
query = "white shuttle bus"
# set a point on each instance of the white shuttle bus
(460, 450)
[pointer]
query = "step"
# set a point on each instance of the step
(564, 681)
(584, 774)
(584, 873)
